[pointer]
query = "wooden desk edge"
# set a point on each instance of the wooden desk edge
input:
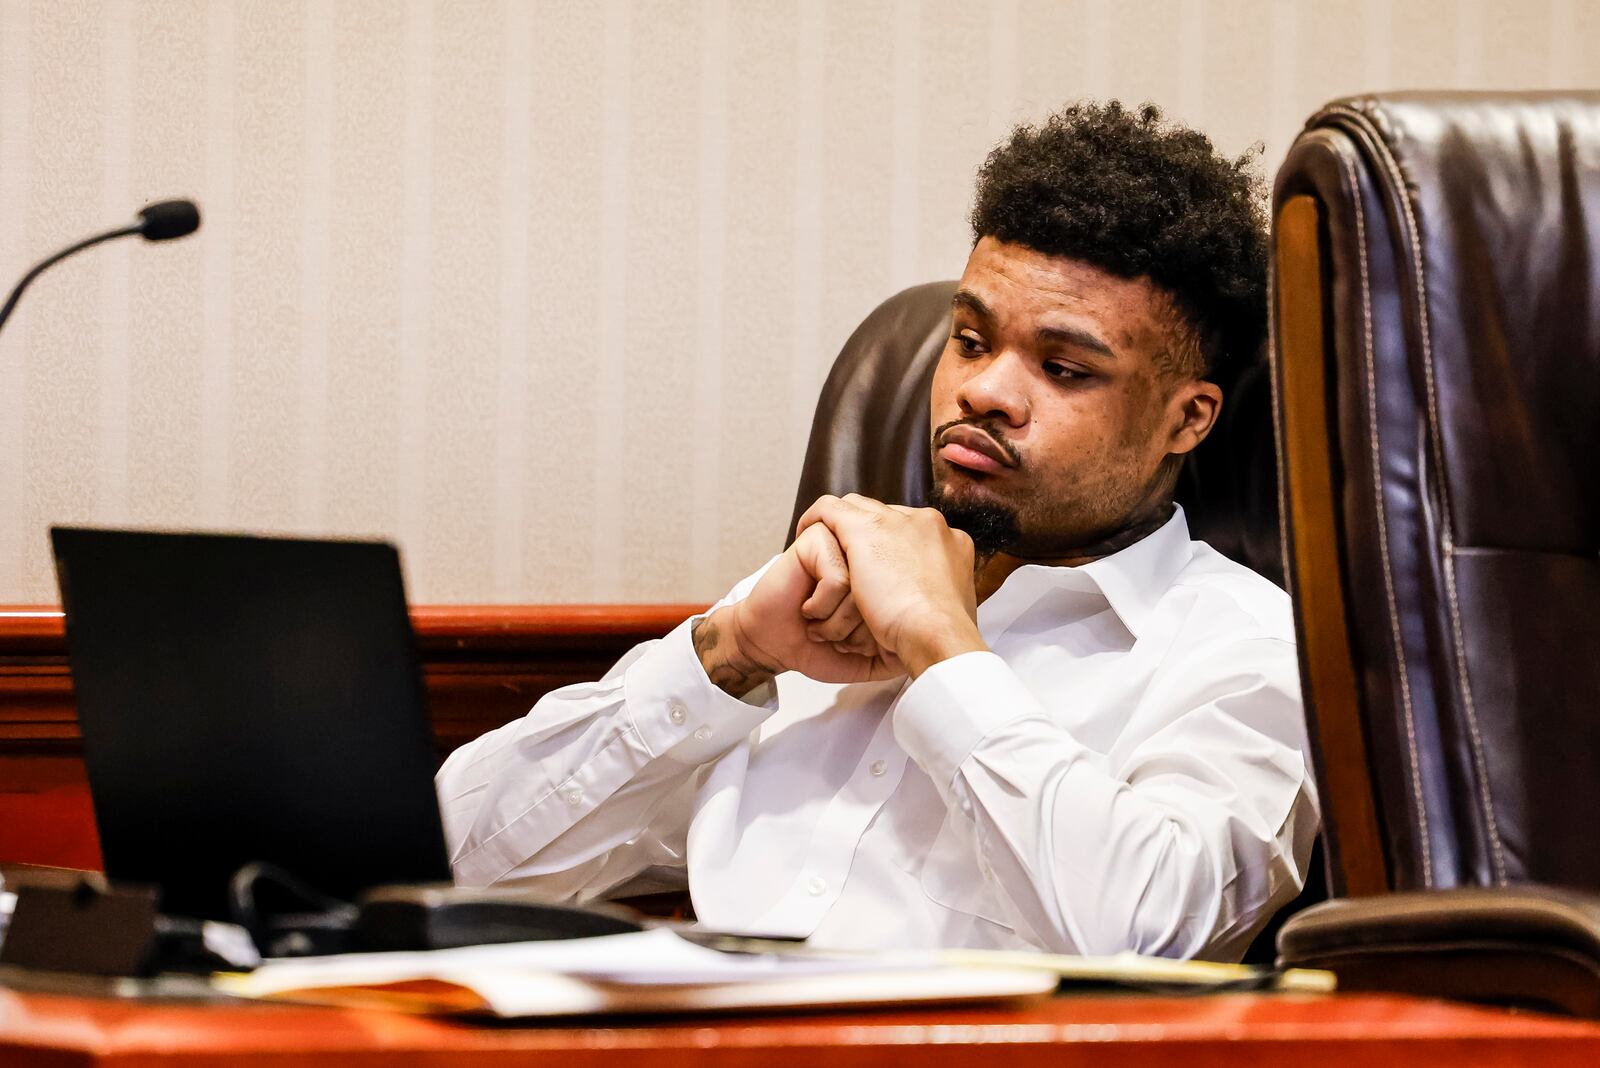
(1105, 1031)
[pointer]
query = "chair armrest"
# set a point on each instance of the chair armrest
(1528, 946)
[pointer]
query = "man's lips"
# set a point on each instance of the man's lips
(969, 447)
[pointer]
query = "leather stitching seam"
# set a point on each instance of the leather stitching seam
(1414, 236)
(1368, 364)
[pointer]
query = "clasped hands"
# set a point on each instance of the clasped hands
(867, 591)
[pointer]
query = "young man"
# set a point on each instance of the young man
(1035, 716)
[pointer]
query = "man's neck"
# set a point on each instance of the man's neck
(991, 572)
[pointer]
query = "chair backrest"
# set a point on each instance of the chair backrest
(871, 433)
(1437, 353)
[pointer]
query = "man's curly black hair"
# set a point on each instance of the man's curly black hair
(1136, 196)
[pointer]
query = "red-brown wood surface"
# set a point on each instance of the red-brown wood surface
(483, 665)
(40, 629)
(1099, 1031)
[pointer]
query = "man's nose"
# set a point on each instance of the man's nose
(998, 388)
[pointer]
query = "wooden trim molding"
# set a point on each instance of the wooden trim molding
(1356, 863)
(483, 665)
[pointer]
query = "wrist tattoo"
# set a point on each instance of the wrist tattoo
(725, 667)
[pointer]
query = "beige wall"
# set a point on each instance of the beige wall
(544, 290)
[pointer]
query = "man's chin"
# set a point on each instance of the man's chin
(990, 522)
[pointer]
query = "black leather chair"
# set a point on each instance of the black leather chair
(1437, 355)
(871, 435)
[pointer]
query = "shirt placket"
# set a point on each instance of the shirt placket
(821, 878)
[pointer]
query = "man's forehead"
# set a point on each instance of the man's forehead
(1016, 282)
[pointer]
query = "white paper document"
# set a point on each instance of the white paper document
(646, 971)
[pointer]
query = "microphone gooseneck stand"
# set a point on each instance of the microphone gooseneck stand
(39, 268)
(161, 221)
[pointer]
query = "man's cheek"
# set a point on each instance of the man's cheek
(942, 398)
(1079, 475)
(1139, 417)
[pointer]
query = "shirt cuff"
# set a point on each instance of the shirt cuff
(678, 712)
(954, 705)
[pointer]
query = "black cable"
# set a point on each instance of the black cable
(312, 923)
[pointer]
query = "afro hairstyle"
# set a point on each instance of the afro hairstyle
(1137, 196)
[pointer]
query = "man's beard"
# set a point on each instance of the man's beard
(992, 527)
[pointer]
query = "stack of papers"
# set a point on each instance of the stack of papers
(642, 972)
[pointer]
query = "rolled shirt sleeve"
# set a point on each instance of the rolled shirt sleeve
(1182, 845)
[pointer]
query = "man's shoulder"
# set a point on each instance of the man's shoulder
(1234, 602)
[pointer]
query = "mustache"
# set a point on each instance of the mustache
(990, 426)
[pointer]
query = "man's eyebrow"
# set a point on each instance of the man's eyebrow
(969, 300)
(1063, 335)
(1072, 335)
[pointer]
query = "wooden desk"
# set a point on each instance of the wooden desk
(1227, 1031)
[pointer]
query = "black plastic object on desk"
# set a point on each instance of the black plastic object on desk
(448, 917)
(85, 927)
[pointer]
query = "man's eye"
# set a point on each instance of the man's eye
(1062, 372)
(970, 346)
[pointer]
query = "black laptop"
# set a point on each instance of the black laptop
(249, 699)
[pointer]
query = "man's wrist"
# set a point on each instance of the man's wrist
(722, 656)
(921, 651)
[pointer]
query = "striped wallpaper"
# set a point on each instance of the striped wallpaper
(544, 289)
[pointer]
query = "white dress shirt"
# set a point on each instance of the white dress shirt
(1124, 770)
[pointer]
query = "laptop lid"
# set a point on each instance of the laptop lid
(249, 699)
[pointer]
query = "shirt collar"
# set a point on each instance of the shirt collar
(1132, 579)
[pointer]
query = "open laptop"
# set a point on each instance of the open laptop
(249, 699)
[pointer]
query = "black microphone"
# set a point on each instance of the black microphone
(167, 219)
(161, 221)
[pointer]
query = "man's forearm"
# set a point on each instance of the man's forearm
(725, 663)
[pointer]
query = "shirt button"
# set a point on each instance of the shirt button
(572, 796)
(677, 713)
(879, 767)
(702, 733)
(817, 886)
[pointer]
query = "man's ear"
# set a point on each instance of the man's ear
(1196, 405)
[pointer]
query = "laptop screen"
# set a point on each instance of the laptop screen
(249, 699)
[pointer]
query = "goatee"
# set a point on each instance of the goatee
(993, 528)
